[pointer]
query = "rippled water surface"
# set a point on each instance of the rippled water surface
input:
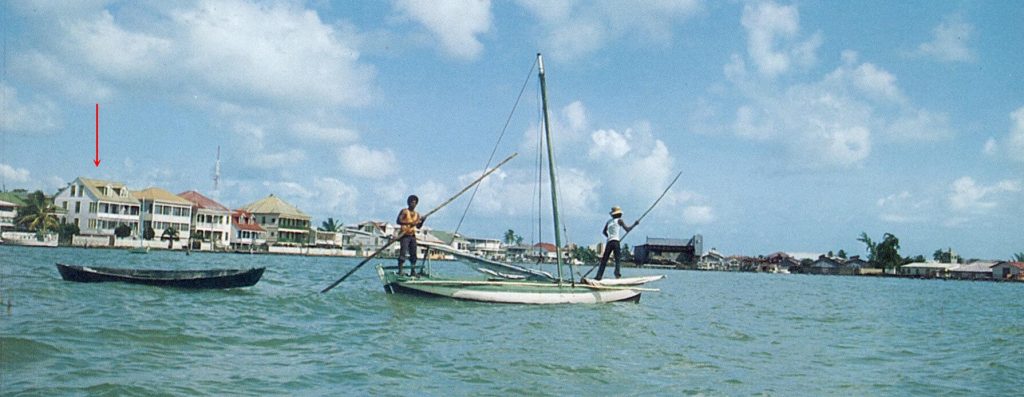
(705, 333)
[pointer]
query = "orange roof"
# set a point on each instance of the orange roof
(202, 201)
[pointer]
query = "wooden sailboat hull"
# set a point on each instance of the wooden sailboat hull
(521, 292)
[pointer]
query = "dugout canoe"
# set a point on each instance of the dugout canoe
(193, 279)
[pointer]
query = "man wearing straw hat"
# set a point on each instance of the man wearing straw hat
(612, 230)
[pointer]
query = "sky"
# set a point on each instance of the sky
(796, 126)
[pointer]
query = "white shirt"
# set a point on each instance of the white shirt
(613, 229)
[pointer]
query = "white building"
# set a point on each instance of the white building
(246, 233)
(8, 211)
(487, 248)
(211, 221)
(97, 207)
(162, 210)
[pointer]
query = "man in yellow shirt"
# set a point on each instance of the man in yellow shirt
(408, 221)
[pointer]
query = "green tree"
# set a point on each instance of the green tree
(585, 254)
(67, 231)
(842, 254)
(942, 256)
(122, 231)
(330, 225)
(887, 253)
(510, 236)
(38, 215)
(171, 235)
(627, 253)
(870, 246)
(1018, 257)
(149, 233)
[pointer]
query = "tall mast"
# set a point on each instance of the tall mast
(551, 170)
(216, 170)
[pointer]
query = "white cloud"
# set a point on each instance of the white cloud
(830, 123)
(277, 53)
(968, 197)
(876, 82)
(18, 116)
(115, 52)
(903, 207)
(1015, 142)
(950, 41)
(455, 23)
(608, 145)
(335, 197)
(991, 147)
(769, 24)
(361, 161)
(698, 215)
(12, 174)
(52, 75)
(577, 29)
(307, 129)
(920, 125)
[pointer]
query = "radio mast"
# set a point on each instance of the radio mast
(216, 170)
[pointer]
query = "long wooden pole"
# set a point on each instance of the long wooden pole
(642, 216)
(392, 240)
(551, 172)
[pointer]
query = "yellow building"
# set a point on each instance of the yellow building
(285, 224)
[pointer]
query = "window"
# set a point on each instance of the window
(78, 206)
(73, 190)
(92, 208)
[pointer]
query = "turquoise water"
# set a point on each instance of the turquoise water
(705, 333)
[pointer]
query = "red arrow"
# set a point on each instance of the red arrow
(96, 161)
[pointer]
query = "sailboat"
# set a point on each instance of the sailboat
(530, 287)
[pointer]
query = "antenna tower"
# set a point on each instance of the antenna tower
(216, 170)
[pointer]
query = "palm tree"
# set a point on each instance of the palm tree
(38, 215)
(1018, 257)
(330, 225)
(170, 234)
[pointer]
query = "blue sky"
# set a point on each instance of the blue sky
(796, 125)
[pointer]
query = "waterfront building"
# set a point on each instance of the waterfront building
(711, 261)
(486, 248)
(924, 269)
(211, 221)
(245, 233)
(545, 251)
(163, 210)
(1008, 271)
(824, 265)
(97, 206)
(669, 251)
(285, 224)
(977, 270)
(9, 204)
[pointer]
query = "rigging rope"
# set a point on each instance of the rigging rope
(494, 150)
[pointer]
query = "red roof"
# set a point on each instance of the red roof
(253, 226)
(202, 201)
(546, 246)
(1018, 265)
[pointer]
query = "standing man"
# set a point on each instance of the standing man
(612, 230)
(408, 221)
